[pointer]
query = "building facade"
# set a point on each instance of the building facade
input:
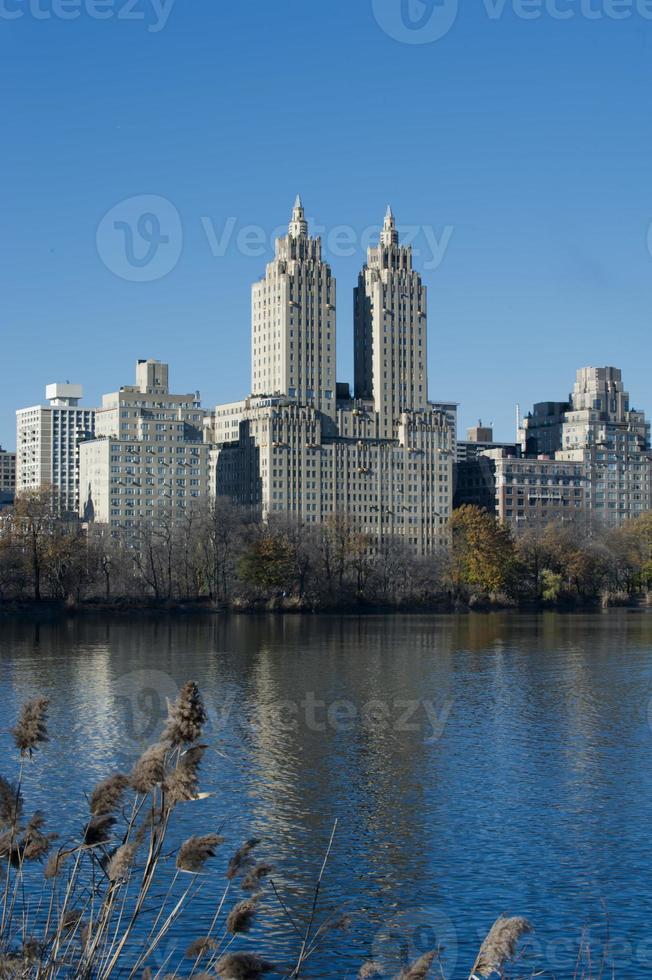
(48, 440)
(612, 441)
(293, 321)
(7, 477)
(148, 461)
(480, 438)
(300, 445)
(589, 455)
(522, 492)
(390, 331)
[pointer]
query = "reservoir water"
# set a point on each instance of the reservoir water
(475, 765)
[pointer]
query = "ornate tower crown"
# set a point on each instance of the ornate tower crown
(389, 234)
(298, 226)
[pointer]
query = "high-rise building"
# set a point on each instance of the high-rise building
(293, 321)
(148, 460)
(300, 445)
(48, 438)
(7, 477)
(390, 309)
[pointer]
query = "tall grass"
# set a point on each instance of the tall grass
(101, 904)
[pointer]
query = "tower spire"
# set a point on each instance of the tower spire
(298, 225)
(389, 234)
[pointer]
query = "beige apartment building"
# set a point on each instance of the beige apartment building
(300, 445)
(148, 461)
(48, 440)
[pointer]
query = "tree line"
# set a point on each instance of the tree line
(227, 555)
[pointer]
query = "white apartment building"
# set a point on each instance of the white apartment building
(48, 438)
(383, 460)
(149, 461)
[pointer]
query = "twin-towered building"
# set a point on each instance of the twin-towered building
(300, 444)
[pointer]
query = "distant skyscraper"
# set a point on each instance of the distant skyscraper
(47, 443)
(390, 310)
(293, 320)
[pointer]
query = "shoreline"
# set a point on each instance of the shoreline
(59, 609)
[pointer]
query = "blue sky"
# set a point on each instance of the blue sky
(522, 144)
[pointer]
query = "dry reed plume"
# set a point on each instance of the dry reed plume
(30, 730)
(242, 966)
(108, 794)
(241, 915)
(195, 852)
(186, 717)
(499, 945)
(242, 860)
(420, 969)
(370, 969)
(149, 771)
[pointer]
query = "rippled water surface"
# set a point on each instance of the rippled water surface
(475, 765)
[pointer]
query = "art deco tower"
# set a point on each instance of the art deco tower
(390, 331)
(293, 321)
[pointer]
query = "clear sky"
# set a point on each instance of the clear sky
(518, 145)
